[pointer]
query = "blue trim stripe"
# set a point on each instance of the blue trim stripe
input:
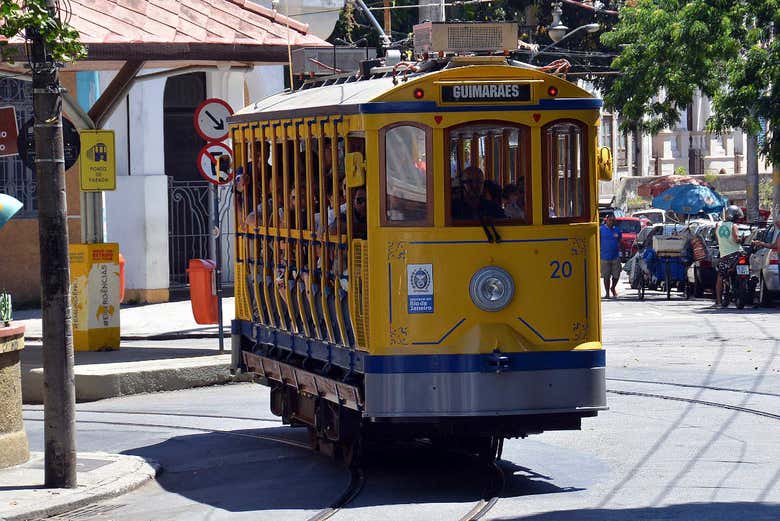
(390, 107)
(485, 241)
(481, 363)
(529, 326)
(585, 266)
(390, 290)
(456, 326)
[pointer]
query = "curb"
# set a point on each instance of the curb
(142, 472)
(99, 381)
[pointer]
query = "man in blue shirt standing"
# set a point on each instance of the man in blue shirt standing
(610, 236)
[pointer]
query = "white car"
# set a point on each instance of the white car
(765, 266)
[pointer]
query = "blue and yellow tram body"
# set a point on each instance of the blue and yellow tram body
(416, 353)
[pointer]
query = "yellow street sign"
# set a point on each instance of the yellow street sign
(97, 161)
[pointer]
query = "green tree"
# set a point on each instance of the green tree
(670, 49)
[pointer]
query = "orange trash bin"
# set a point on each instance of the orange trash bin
(203, 295)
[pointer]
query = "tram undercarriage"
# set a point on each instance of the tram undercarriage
(329, 401)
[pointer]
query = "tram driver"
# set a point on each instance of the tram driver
(474, 203)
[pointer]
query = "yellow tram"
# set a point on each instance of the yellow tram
(417, 254)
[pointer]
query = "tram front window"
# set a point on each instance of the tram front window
(489, 173)
(407, 193)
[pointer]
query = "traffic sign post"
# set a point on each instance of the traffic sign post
(211, 119)
(97, 161)
(9, 132)
(70, 138)
(211, 124)
(210, 161)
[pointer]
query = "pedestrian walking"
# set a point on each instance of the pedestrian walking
(610, 236)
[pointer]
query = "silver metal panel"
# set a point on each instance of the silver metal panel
(480, 394)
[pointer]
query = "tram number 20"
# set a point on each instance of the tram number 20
(560, 270)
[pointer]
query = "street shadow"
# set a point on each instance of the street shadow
(240, 471)
(684, 512)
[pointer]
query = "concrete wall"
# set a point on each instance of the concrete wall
(137, 213)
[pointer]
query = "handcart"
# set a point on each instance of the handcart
(662, 265)
(669, 265)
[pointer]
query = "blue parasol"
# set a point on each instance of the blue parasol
(690, 199)
(8, 207)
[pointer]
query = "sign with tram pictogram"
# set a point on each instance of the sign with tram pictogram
(97, 162)
(214, 162)
(211, 119)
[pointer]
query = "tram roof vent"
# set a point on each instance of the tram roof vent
(433, 37)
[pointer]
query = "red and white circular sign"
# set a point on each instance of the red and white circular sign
(209, 163)
(211, 119)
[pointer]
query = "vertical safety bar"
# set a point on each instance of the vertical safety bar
(300, 227)
(276, 264)
(311, 265)
(286, 240)
(323, 235)
(338, 256)
(267, 268)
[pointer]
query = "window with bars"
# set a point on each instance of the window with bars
(15, 179)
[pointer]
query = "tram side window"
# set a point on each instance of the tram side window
(565, 173)
(406, 181)
(489, 173)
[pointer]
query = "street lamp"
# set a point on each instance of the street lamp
(558, 37)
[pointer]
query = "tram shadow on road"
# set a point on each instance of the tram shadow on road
(244, 470)
(682, 512)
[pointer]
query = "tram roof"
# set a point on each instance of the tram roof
(311, 102)
(347, 97)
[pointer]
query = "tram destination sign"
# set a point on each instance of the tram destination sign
(486, 92)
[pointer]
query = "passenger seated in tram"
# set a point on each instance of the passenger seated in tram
(472, 203)
(513, 199)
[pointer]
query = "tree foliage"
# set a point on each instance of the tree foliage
(62, 41)
(670, 49)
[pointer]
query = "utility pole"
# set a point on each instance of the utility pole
(751, 178)
(59, 390)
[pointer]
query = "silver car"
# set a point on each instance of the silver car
(764, 266)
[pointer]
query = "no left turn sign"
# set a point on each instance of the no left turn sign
(211, 119)
(209, 163)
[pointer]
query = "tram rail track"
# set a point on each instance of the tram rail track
(492, 494)
(696, 401)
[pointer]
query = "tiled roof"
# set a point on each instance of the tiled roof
(181, 21)
(150, 29)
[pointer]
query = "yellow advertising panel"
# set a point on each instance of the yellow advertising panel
(94, 287)
(97, 161)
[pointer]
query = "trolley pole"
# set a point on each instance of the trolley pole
(218, 265)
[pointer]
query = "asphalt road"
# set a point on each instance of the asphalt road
(692, 433)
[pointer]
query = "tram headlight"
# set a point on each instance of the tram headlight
(491, 288)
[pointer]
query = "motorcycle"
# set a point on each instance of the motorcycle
(736, 286)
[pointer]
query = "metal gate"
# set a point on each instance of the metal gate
(190, 206)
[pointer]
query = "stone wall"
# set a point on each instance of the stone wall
(13, 440)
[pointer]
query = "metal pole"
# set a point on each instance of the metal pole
(59, 389)
(383, 38)
(752, 178)
(218, 266)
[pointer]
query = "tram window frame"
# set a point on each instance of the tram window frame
(585, 215)
(523, 163)
(428, 220)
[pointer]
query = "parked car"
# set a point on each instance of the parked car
(604, 212)
(630, 227)
(702, 273)
(654, 215)
(765, 265)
